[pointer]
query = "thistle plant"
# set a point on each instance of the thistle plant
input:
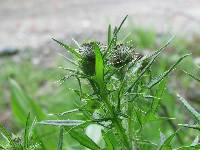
(124, 97)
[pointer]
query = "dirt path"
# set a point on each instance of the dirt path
(33, 22)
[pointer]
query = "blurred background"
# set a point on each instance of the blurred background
(29, 56)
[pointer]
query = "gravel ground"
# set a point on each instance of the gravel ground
(31, 23)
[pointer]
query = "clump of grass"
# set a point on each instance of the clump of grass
(124, 97)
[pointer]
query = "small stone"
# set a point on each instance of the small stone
(8, 51)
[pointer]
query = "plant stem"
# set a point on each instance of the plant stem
(130, 127)
(116, 121)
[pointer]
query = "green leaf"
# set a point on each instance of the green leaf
(156, 100)
(26, 132)
(196, 127)
(99, 66)
(65, 113)
(155, 55)
(62, 122)
(7, 135)
(22, 104)
(70, 49)
(189, 107)
(82, 138)
(195, 147)
(192, 76)
(60, 140)
(165, 143)
(115, 34)
(109, 34)
(108, 141)
(158, 79)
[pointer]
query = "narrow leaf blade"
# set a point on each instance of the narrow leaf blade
(83, 139)
(70, 49)
(192, 76)
(60, 140)
(196, 127)
(189, 107)
(62, 122)
(154, 56)
(156, 80)
(7, 134)
(166, 143)
(109, 34)
(99, 66)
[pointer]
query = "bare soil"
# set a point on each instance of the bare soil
(32, 23)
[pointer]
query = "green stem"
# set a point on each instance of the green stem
(116, 121)
(130, 127)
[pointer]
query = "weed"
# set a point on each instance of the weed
(118, 90)
(124, 98)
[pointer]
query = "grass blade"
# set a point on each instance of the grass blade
(83, 139)
(189, 107)
(114, 36)
(60, 140)
(99, 66)
(22, 104)
(192, 147)
(196, 127)
(192, 76)
(166, 143)
(109, 34)
(66, 112)
(26, 132)
(7, 135)
(156, 80)
(70, 49)
(62, 122)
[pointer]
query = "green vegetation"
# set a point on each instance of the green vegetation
(113, 96)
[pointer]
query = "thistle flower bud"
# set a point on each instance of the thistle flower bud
(121, 55)
(88, 57)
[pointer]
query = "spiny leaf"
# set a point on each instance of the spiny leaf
(145, 142)
(114, 36)
(99, 66)
(189, 107)
(195, 147)
(60, 140)
(62, 122)
(83, 139)
(156, 54)
(70, 49)
(192, 76)
(109, 34)
(196, 127)
(65, 113)
(165, 143)
(7, 135)
(156, 80)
